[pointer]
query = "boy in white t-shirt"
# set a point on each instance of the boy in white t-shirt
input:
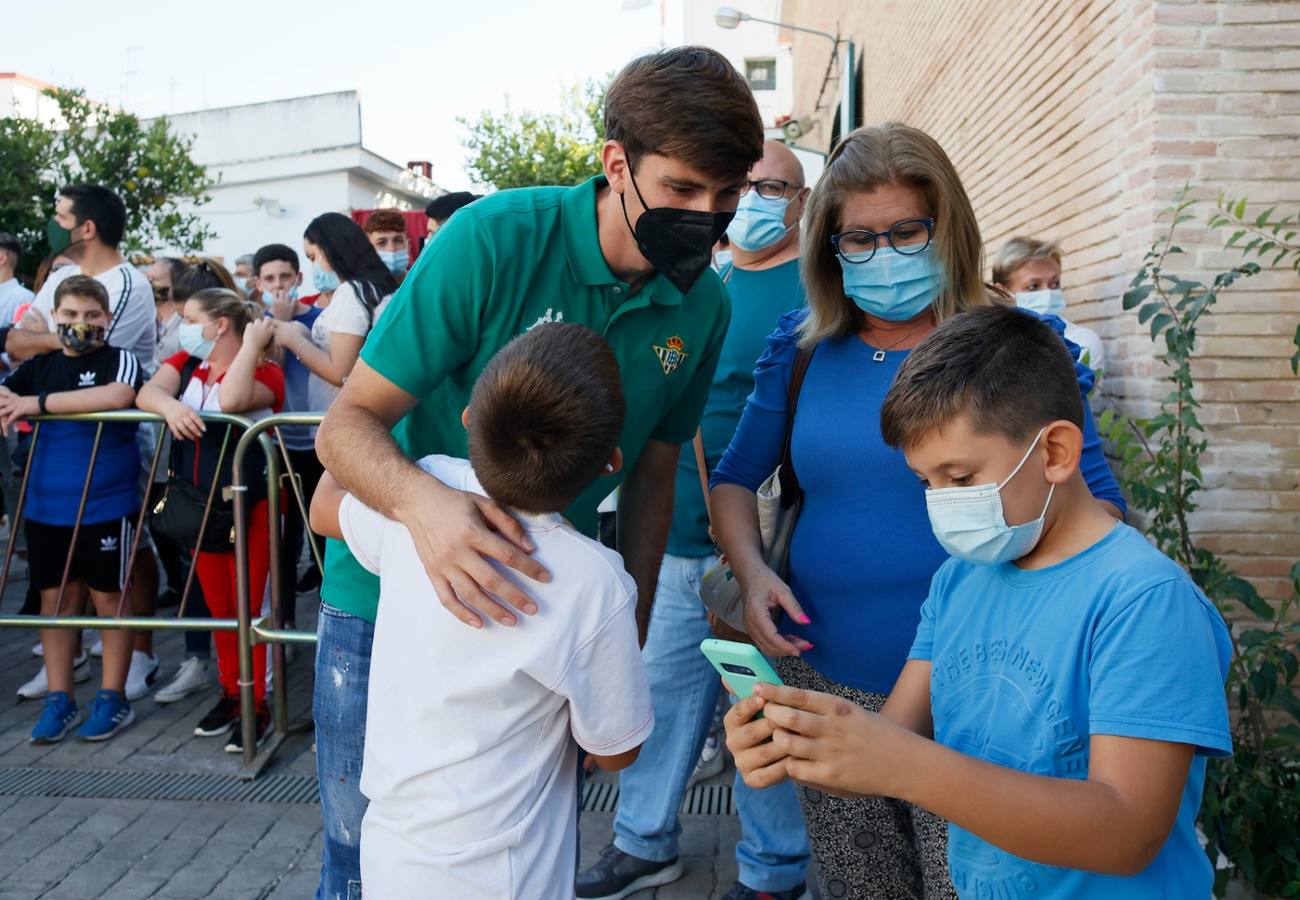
(472, 737)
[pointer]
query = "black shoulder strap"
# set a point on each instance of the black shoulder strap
(790, 490)
(187, 372)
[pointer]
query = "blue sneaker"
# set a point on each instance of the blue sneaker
(110, 714)
(56, 718)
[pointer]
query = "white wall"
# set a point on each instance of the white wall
(242, 227)
(277, 128)
(749, 40)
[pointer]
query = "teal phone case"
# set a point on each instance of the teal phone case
(740, 665)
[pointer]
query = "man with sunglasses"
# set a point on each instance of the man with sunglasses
(772, 856)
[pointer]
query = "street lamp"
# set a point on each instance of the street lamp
(729, 17)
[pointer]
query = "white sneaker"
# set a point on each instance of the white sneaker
(97, 649)
(193, 676)
(141, 676)
(39, 686)
(710, 762)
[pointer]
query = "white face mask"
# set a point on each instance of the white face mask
(1045, 302)
(970, 524)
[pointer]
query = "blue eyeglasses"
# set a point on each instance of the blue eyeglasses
(907, 237)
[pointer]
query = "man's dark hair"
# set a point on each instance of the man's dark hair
(441, 208)
(81, 286)
(545, 416)
(1006, 370)
(96, 203)
(12, 245)
(274, 253)
(687, 103)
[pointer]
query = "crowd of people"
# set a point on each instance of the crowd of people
(991, 685)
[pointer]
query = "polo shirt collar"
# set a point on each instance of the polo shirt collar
(582, 246)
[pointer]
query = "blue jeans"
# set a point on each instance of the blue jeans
(773, 853)
(339, 707)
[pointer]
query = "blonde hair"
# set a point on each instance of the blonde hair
(892, 153)
(1017, 252)
(225, 303)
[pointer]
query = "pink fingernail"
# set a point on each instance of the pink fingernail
(804, 620)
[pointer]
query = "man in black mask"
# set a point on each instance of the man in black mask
(626, 254)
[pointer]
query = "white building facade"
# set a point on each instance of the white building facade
(280, 164)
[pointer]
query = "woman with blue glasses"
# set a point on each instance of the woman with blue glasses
(891, 249)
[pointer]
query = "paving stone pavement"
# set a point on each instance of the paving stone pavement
(117, 849)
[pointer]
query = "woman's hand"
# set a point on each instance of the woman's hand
(764, 594)
(290, 335)
(257, 335)
(184, 423)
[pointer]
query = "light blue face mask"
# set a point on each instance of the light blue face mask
(395, 260)
(759, 222)
(192, 341)
(970, 524)
(893, 286)
(324, 281)
(721, 260)
(1047, 302)
(268, 299)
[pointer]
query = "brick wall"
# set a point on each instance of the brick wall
(1078, 121)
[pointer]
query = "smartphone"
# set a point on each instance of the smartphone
(740, 665)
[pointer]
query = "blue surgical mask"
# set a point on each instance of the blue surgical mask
(395, 260)
(894, 286)
(970, 524)
(1045, 302)
(192, 341)
(324, 281)
(242, 283)
(268, 298)
(721, 260)
(759, 222)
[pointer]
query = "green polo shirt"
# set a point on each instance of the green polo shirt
(498, 267)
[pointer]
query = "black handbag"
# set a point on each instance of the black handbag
(178, 514)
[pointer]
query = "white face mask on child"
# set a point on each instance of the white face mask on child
(970, 524)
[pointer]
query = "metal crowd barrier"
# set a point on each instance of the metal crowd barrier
(248, 631)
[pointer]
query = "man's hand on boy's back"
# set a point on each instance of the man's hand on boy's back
(455, 533)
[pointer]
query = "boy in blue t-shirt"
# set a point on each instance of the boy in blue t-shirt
(85, 376)
(1070, 674)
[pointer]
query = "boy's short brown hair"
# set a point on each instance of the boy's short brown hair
(81, 286)
(545, 417)
(687, 103)
(1003, 368)
(385, 220)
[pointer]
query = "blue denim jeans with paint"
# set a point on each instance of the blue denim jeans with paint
(773, 852)
(339, 707)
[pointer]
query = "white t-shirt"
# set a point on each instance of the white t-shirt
(346, 314)
(130, 300)
(12, 296)
(470, 761)
(1094, 351)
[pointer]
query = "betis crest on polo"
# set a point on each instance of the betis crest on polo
(672, 355)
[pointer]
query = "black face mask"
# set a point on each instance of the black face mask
(81, 337)
(677, 242)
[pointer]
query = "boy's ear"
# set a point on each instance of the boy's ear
(297, 280)
(464, 418)
(615, 462)
(1064, 444)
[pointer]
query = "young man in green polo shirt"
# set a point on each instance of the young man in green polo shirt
(625, 254)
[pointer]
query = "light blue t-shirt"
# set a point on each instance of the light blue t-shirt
(1026, 665)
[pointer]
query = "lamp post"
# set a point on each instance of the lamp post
(729, 17)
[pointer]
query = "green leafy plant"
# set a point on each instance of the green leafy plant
(1251, 810)
(525, 149)
(1262, 234)
(149, 166)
